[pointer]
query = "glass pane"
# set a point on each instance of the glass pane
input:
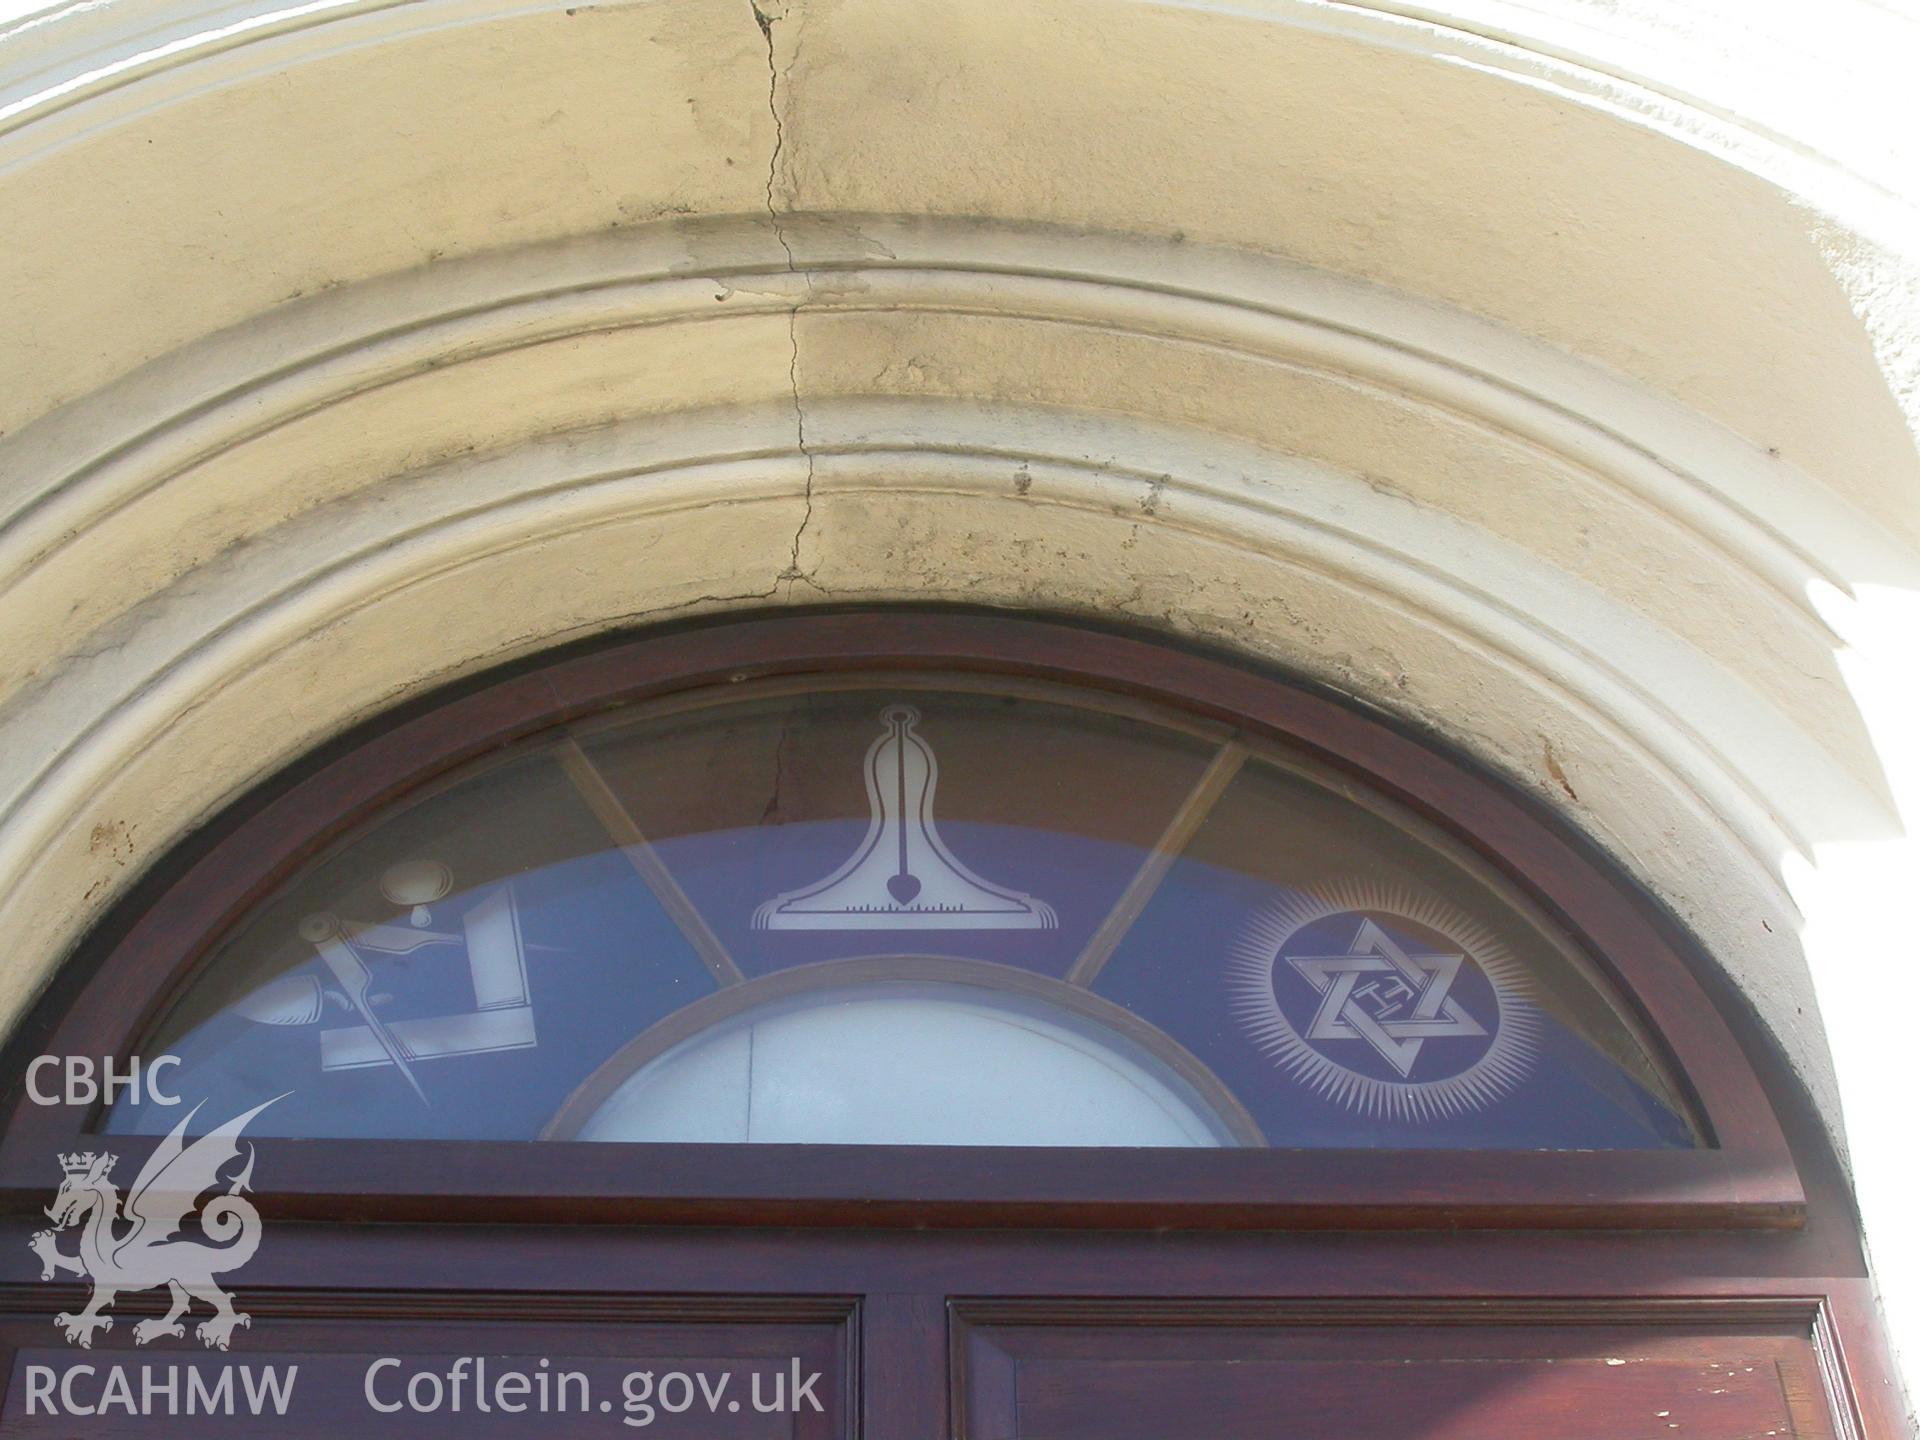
(756, 810)
(899, 1063)
(1405, 999)
(927, 910)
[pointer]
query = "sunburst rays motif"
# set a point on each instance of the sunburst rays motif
(1515, 1029)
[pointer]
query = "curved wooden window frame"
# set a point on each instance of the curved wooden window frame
(1745, 1177)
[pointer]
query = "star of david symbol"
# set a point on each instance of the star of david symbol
(1379, 993)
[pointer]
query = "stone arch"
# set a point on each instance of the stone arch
(1531, 372)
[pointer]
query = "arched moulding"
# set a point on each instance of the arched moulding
(1290, 557)
(89, 460)
(140, 454)
(1266, 537)
(1742, 1175)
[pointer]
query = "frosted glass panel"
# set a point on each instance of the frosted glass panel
(904, 1065)
(1071, 920)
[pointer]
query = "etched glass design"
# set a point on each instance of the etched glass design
(911, 910)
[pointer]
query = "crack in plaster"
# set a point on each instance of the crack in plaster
(766, 20)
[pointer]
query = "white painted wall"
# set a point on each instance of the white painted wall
(1547, 373)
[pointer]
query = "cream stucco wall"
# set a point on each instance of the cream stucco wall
(1546, 373)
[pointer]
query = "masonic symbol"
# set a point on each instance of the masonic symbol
(1344, 989)
(1380, 993)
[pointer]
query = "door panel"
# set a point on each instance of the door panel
(1153, 1373)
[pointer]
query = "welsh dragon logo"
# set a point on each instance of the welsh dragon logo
(133, 1245)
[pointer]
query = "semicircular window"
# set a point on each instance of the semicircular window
(940, 910)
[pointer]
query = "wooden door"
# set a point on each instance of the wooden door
(1039, 1370)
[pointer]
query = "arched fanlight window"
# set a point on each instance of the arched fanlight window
(1076, 921)
(892, 884)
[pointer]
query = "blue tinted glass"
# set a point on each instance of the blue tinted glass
(943, 911)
